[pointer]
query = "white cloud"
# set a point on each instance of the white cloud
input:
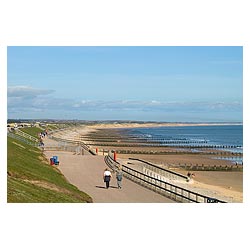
(23, 100)
(156, 105)
(155, 102)
(26, 91)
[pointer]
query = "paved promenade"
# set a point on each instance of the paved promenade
(86, 171)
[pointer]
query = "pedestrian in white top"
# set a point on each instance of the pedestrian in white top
(106, 177)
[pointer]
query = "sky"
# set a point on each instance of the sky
(155, 83)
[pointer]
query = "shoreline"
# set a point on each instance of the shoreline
(156, 124)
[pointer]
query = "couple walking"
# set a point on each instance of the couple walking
(107, 177)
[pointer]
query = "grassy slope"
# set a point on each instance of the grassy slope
(32, 179)
(34, 131)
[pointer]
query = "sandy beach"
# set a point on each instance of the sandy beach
(224, 183)
(152, 124)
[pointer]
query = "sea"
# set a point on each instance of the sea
(225, 137)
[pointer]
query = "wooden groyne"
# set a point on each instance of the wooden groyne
(209, 146)
(176, 152)
(203, 167)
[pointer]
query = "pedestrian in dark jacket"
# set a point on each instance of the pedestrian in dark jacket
(119, 176)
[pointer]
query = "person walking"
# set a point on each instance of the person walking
(107, 177)
(119, 177)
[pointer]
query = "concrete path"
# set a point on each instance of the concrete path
(86, 171)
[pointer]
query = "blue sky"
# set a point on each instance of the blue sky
(192, 84)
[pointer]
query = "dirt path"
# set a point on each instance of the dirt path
(85, 172)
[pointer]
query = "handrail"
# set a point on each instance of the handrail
(26, 135)
(82, 144)
(165, 188)
(160, 168)
(68, 148)
(21, 138)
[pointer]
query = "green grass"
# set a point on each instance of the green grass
(32, 179)
(52, 126)
(34, 131)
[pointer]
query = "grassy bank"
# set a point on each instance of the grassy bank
(32, 131)
(32, 179)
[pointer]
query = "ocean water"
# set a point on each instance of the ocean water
(221, 135)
